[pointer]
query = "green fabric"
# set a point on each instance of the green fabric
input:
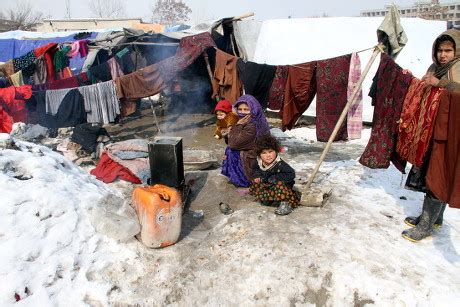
(122, 52)
(60, 60)
(391, 27)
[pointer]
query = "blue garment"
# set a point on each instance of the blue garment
(233, 168)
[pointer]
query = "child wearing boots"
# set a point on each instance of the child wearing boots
(225, 118)
(273, 178)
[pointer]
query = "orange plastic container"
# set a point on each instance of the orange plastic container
(159, 209)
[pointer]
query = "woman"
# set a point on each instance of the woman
(240, 155)
(444, 72)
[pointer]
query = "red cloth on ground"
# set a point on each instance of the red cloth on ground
(417, 121)
(276, 95)
(13, 106)
(331, 97)
(108, 171)
(443, 176)
(392, 86)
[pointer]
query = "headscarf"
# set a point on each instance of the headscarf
(441, 70)
(257, 114)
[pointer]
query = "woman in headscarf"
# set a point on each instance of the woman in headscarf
(240, 155)
(445, 73)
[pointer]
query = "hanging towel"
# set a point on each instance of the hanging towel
(392, 85)
(332, 78)
(355, 113)
(300, 91)
(417, 121)
(278, 88)
(257, 79)
(115, 69)
(141, 83)
(101, 102)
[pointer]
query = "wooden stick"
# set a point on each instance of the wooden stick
(353, 97)
(154, 115)
(247, 15)
(208, 67)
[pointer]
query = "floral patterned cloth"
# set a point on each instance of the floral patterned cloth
(331, 98)
(392, 85)
(24, 61)
(276, 95)
(355, 113)
(278, 191)
(417, 121)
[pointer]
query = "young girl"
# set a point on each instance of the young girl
(225, 118)
(273, 178)
(240, 155)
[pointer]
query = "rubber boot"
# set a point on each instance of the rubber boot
(284, 208)
(430, 212)
(412, 221)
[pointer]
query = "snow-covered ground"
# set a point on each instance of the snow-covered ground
(349, 252)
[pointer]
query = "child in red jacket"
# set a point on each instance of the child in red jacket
(225, 118)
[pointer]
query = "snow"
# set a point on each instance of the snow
(348, 252)
(293, 41)
(22, 35)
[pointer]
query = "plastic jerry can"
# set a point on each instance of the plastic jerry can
(159, 209)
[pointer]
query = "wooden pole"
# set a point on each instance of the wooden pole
(208, 67)
(354, 95)
(155, 119)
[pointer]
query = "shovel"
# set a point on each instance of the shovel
(324, 194)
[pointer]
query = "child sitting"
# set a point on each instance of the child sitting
(273, 178)
(225, 118)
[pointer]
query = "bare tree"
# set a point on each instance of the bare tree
(22, 16)
(106, 8)
(170, 12)
(67, 9)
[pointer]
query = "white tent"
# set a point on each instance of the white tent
(293, 41)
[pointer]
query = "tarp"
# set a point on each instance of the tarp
(293, 41)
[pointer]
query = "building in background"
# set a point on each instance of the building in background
(87, 24)
(6, 25)
(433, 10)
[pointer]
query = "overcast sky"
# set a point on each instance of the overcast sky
(203, 10)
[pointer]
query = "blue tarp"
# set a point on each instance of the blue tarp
(14, 48)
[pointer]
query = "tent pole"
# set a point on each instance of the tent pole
(154, 115)
(354, 95)
(208, 67)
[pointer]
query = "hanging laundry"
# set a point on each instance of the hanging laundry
(17, 79)
(100, 73)
(278, 88)
(8, 68)
(124, 60)
(417, 121)
(70, 82)
(24, 61)
(40, 75)
(226, 83)
(257, 79)
(141, 83)
(355, 113)
(190, 48)
(391, 88)
(61, 60)
(332, 78)
(47, 51)
(391, 33)
(78, 48)
(70, 113)
(115, 69)
(13, 106)
(300, 91)
(54, 99)
(101, 102)
(443, 176)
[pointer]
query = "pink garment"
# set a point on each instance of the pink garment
(78, 47)
(355, 113)
(115, 69)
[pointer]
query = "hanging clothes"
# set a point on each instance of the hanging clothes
(40, 75)
(78, 48)
(24, 61)
(115, 69)
(417, 121)
(13, 106)
(332, 78)
(124, 60)
(300, 91)
(141, 83)
(100, 73)
(101, 102)
(278, 88)
(54, 99)
(47, 51)
(355, 113)
(391, 88)
(443, 176)
(8, 68)
(17, 78)
(226, 83)
(257, 79)
(61, 60)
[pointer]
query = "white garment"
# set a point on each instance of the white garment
(101, 102)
